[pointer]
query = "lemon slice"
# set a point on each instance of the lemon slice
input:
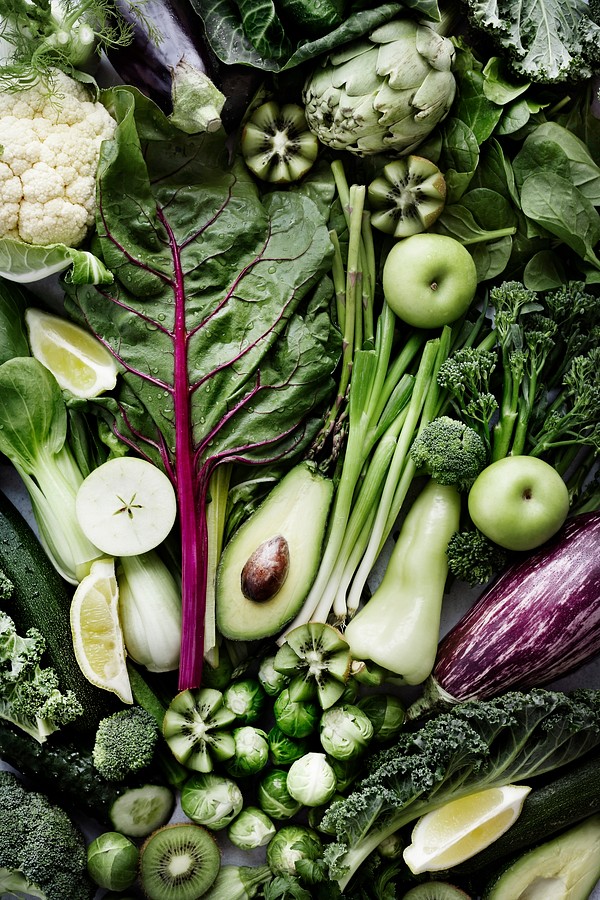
(460, 829)
(78, 361)
(96, 630)
(126, 506)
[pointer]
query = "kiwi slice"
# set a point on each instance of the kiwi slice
(179, 862)
(435, 890)
(408, 197)
(277, 144)
(196, 728)
(317, 659)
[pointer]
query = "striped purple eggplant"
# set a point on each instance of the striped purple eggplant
(537, 622)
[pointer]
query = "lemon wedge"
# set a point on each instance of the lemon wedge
(96, 630)
(460, 829)
(78, 361)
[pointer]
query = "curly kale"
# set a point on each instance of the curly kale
(450, 452)
(547, 41)
(30, 695)
(473, 558)
(476, 745)
(125, 743)
(41, 848)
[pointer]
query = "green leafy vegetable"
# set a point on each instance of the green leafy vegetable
(233, 26)
(219, 316)
(25, 263)
(33, 436)
(478, 745)
(548, 41)
(30, 695)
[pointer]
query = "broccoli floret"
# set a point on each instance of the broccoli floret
(125, 743)
(30, 696)
(41, 848)
(473, 558)
(450, 452)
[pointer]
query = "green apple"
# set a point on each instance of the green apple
(519, 502)
(429, 280)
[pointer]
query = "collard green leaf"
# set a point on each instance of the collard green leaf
(262, 26)
(218, 315)
(232, 42)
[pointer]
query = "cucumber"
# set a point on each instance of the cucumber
(547, 810)
(42, 600)
(65, 772)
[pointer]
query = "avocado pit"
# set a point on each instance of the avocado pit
(266, 569)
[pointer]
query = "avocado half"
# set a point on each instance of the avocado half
(564, 868)
(267, 568)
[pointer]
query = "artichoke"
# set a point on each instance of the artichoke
(382, 93)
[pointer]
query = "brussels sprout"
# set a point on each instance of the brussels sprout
(219, 676)
(251, 751)
(291, 843)
(391, 847)
(211, 800)
(246, 699)
(251, 829)
(297, 719)
(112, 861)
(272, 681)
(283, 749)
(311, 780)
(345, 731)
(274, 797)
(387, 715)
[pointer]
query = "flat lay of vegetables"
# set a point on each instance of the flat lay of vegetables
(299, 444)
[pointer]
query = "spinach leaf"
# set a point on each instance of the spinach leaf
(553, 202)
(218, 315)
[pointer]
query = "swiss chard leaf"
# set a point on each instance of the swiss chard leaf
(219, 316)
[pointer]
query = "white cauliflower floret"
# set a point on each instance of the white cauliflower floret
(49, 151)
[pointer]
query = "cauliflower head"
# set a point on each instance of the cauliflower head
(49, 151)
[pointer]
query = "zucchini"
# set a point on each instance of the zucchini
(547, 810)
(65, 772)
(42, 600)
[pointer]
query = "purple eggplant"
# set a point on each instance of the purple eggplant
(539, 621)
(168, 32)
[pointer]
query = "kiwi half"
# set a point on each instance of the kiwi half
(317, 659)
(407, 197)
(179, 862)
(277, 144)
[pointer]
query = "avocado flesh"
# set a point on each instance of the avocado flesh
(565, 868)
(297, 510)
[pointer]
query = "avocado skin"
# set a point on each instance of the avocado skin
(564, 868)
(296, 510)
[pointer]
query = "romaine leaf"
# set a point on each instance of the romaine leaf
(219, 317)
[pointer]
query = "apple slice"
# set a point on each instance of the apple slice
(126, 506)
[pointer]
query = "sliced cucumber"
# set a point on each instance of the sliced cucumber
(126, 506)
(141, 810)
